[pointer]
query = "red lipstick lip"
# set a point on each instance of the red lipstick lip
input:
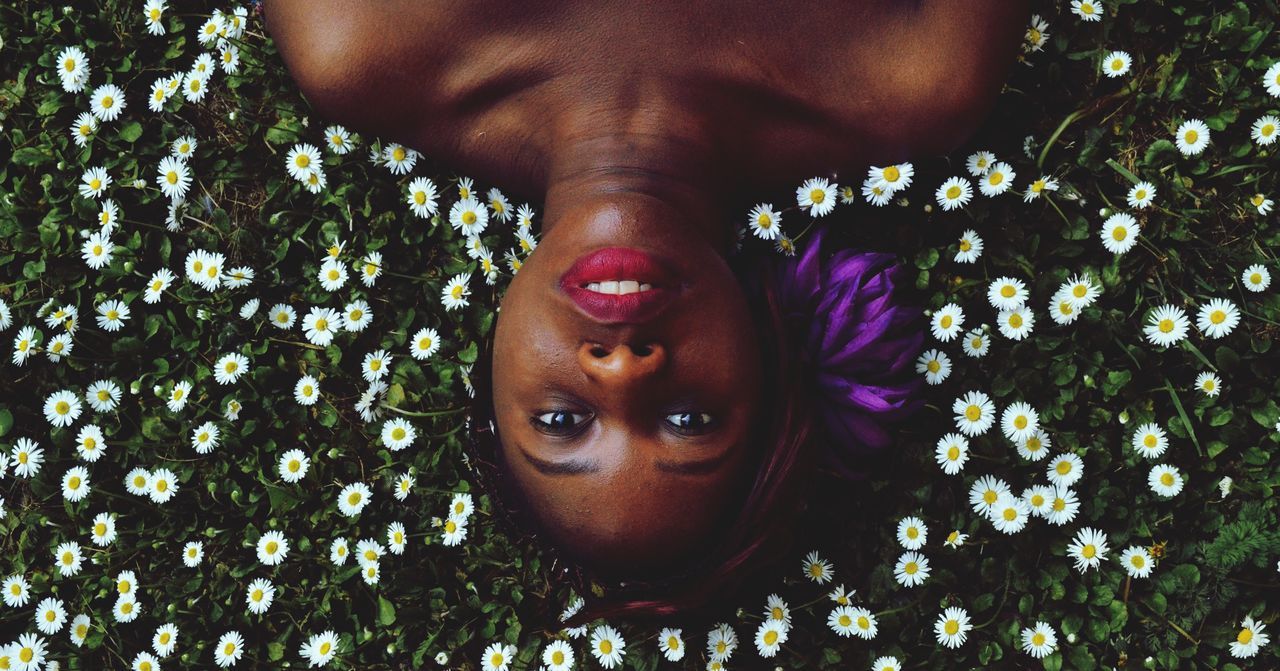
(621, 263)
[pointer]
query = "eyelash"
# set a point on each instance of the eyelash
(708, 423)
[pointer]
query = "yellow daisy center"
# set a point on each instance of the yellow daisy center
(468, 217)
(817, 196)
(945, 322)
(910, 568)
(606, 646)
(1192, 136)
(62, 407)
(934, 366)
(1119, 233)
(1009, 514)
(353, 498)
(1138, 561)
(271, 547)
(397, 433)
(972, 413)
(1008, 291)
(1166, 479)
(1063, 467)
(325, 648)
(1015, 320)
(770, 637)
(1243, 638)
(965, 246)
(450, 526)
(845, 621)
(1149, 440)
(420, 197)
(398, 154)
(951, 627)
(995, 178)
(953, 192)
(1218, 316)
(1037, 639)
(1089, 551)
(953, 453)
(1020, 422)
(892, 174)
(1037, 500)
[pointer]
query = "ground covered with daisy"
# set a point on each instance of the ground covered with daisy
(240, 342)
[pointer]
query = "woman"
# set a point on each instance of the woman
(648, 411)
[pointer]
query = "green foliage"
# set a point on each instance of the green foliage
(1093, 382)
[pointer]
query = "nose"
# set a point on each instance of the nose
(621, 365)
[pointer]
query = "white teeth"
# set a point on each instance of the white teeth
(619, 287)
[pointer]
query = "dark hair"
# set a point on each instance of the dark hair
(758, 532)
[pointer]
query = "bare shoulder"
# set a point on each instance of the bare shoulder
(363, 63)
(931, 70)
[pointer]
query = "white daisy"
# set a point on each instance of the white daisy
(103, 532)
(24, 344)
(893, 178)
(338, 139)
(1192, 137)
(302, 160)
(911, 570)
(455, 292)
(1007, 293)
(817, 569)
(62, 408)
(229, 650)
(1217, 318)
(1039, 499)
(259, 596)
(370, 268)
(83, 128)
(1150, 441)
(1251, 638)
(454, 530)
(935, 365)
(952, 627)
(874, 191)
(307, 390)
(974, 413)
(27, 457)
(162, 485)
(160, 280)
(1065, 470)
(1258, 200)
(770, 636)
(1270, 79)
(320, 649)
(50, 615)
(422, 197)
(1120, 232)
(94, 182)
(912, 533)
(1019, 421)
(952, 453)
(1116, 63)
(607, 646)
(356, 315)
(1087, 10)
(1081, 290)
(1165, 480)
(75, 484)
(1256, 278)
(1166, 325)
(979, 162)
(985, 492)
(764, 222)
(1038, 187)
(165, 639)
(953, 193)
(817, 196)
(1141, 195)
(425, 343)
(399, 159)
(976, 343)
(1263, 131)
(230, 367)
(107, 102)
(671, 644)
(947, 322)
(969, 248)
(353, 498)
(73, 69)
(1088, 549)
(1039, 641)
(998, 179)
(272, 548)
(1009, 514)
(135, 481)
(97, 250)
(192, 553)
(320, 324)
(1136, 561)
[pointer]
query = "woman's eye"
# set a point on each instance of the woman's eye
(692, 423)
(560, 421)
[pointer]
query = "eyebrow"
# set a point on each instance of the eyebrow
(581, 466)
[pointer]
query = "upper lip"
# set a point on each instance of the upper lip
(613, 264)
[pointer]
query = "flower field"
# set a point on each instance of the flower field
(238, 345)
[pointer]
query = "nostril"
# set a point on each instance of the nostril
(599, 352)
(642, 350)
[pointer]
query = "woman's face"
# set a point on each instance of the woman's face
(626, 384)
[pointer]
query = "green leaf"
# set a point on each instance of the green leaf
(30, 156)
(6, 421)
(386, 611)
(131, 131)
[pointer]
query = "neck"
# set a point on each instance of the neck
(678, 172)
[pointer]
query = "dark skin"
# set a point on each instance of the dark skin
(645, 125)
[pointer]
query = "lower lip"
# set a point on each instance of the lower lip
(620, 263)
